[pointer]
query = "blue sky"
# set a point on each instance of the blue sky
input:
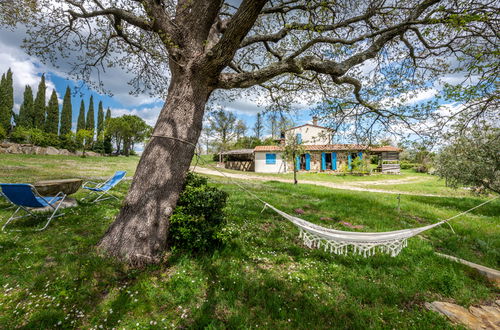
(28, 70)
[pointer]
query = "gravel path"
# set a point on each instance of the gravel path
(355, 186)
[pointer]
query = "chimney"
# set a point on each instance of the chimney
(315, 121)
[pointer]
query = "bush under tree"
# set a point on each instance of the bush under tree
(198, 220)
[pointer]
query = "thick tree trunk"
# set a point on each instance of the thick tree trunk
(139, 234)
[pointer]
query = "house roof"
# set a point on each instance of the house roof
(317, 126)
(267, 148)
(385, 148)
(330, 147)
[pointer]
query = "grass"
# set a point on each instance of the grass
(263, 277)
(30, 168)
(408, 181)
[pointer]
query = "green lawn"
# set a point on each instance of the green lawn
(263, 278)
(408, 181)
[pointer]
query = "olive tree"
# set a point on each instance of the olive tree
(189, 51)
(472, 159)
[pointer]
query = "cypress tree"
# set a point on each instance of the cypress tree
(100, 120)
(81, 117)
(52, 121)
(108, 116)
(3, 104)
(90, 123)
(9, 99)
(66, 113)
(39, 108)
(26, 110)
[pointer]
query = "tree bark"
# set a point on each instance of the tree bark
(139, 234)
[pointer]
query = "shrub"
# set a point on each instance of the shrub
(37, 137)
(3, 133)
(52, 140)
(407, 165)
(98, 146)
(198, 219)
(68, 142)
(421, 168)
(19, 135)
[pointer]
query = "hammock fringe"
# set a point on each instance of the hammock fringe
(366, 249)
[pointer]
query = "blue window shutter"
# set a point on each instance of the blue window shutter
(349, 161)
(297, 163)
(323, 161)
(360, 155)
(270, 159)
(334, 161)
(308, 162)
(299, 138)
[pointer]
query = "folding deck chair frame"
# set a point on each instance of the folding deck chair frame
(103, 192)
(46, 202)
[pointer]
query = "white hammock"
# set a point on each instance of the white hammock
(338, 241)
(342, 242)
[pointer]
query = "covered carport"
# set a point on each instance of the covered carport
(240, 160)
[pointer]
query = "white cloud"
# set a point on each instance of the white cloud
(150, 115)
(27, 70)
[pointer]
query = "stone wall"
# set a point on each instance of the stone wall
(30, 149)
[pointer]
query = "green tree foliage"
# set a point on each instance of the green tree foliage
(81, 117)
(52, 120)
(84, 139)
(6, 100)
(66, 113)
(39, 108)
(258, 127)
(240, 129)
(100, 121)
(291, 150)
(417, 155)
(198, 220)
(26, 109)
(222, 124)
(107, 145)
(90, 122)
(35, 136)
(126, 131)
(108, 115)
(3, 133)
(472, 159)
(3, 107)
(247, 142)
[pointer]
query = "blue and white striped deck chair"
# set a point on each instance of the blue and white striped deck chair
(25, 197)
(102, 189)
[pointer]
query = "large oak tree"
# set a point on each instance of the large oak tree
(189, 51)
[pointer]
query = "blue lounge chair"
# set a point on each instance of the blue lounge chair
(26, 197)
(102, 189)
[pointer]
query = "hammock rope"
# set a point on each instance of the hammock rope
(339, 241)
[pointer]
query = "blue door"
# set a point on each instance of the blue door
(360, 155)
(334, 161)
(323, 161)
(308, 162)
(349, 159)
(297, 163)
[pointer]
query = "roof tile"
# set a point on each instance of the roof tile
(331, 147)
